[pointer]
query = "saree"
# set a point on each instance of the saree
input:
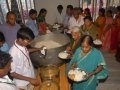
(74, 45)
(115, 30)
(114, 37)
(41, 24)
(106, 36)
(100, 22)
(88, 63)
(92, 31)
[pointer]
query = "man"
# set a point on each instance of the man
(69, 12)
(21, 68)
(31, 23)
(5, 82)
(59, 15)
(3, 45)
(10, 28)
(76, 19)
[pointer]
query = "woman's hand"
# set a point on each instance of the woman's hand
(68, 48)
(97, 70)
(73, 65)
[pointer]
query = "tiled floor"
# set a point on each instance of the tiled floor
(113, 81)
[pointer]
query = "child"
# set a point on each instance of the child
(31, 23)
(5, 82)
(21, 67)
(3, 45)
(41, 21)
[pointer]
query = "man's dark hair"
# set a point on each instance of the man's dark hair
(32, 11)
(80, 9)
(4, 59)
(25, 33)
(2, 38)
(70, 6)
(60, 7)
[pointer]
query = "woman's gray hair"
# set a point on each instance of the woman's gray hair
(76, 29)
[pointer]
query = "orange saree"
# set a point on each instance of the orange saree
(100, 23)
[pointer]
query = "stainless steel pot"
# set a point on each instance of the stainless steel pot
(52, 54)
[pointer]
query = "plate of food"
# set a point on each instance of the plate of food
(97, 42)
(77, 74)
(63, 55)
(56, 26)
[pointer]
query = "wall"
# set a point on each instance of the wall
(51, 6)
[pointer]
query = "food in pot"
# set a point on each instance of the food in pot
(49, 44)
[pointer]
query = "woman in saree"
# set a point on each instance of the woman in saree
(115, 30)
(88, 28)
(41, 21)
(92, 61)
(106, 36)
(100, 22)
(75, 40)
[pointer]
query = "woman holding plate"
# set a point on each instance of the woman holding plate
(90, 60)
(75, 40)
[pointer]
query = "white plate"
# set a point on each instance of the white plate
(77, 74)
(97, 42)
(63, 55)
(56, 26)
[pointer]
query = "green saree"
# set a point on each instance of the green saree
(88, 63)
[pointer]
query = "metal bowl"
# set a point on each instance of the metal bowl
(77, 74)
(52, 54)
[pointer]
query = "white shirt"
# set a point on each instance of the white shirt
(59, 18)
(73, 22)
(7, 84)
(21, 63)
(66, 20)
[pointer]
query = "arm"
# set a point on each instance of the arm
(31, 80)
(31, 49)
(97, 70)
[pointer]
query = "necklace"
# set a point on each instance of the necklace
(82, 54)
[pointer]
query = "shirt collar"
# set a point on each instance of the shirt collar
(20, 47)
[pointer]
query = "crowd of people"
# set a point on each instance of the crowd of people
(78, 25)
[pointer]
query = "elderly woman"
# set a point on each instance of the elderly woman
(75, 41)
(91, 60)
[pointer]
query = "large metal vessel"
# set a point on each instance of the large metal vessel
(52, 54)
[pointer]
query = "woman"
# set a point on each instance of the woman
(88, 28)
(41, 21)
(75, 41)
(106, 36)
(115, 29)
(100, 22)
(91, 60)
